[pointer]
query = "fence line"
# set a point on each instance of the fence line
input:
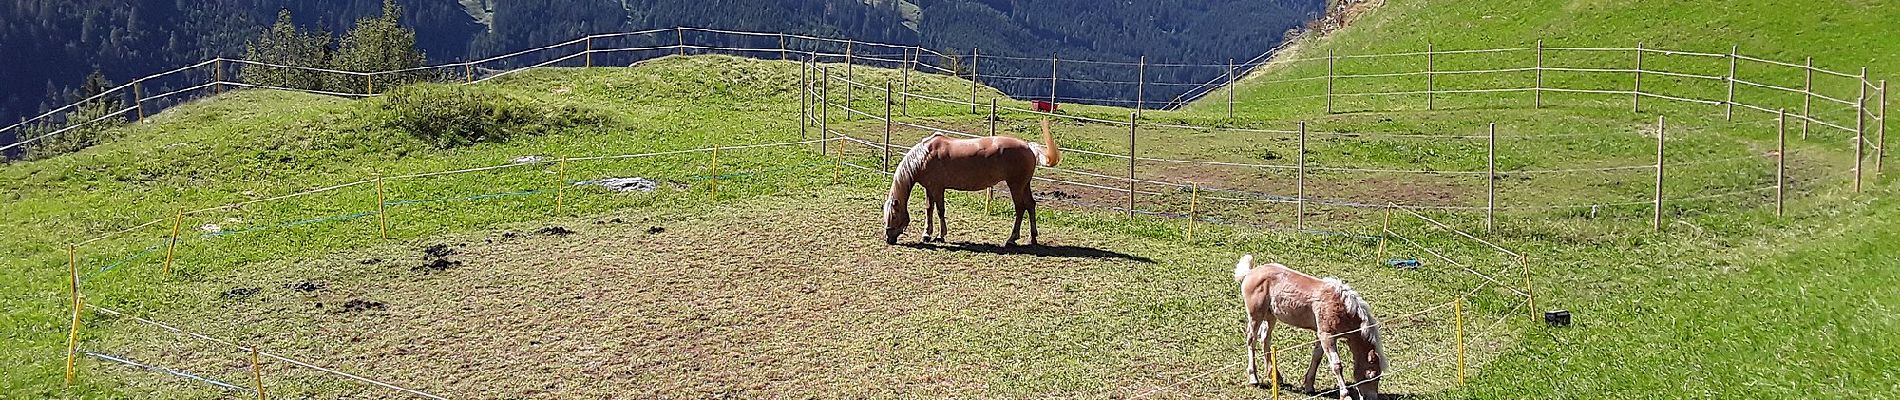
(271, 355)
(1201, 89)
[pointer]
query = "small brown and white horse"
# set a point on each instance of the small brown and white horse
(1274, 293)
(941, 162)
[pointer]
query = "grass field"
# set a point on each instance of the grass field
(774, 286)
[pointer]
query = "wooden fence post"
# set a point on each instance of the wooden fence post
(887, 126)
(1431, 78)
(369, 84)
(1491, 180)
(468, 71)
(1860, 129)
(975, 58)
(1299, 185)
(382, 212)
(1530, 292)
(72, 336)
(1729, 113)
(1133, 119)
(590, 52)
(680, 32)
(1230, 89)
(1807, 98)
(138, 100)
(257, 375)
(1330, 59)
(1052, 82)
(783, 54)
(1538, 90)
(1661, 128)
(217, 72)
(1781, 158)
(1141, 84)
(171, 246)
(1636, 93)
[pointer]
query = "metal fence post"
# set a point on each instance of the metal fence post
(1729, 113)
(1538, 90)
(1431, 78)
(804, 100)
(1636, 93)
(1299, 185)
(1781, 159)
(1880, 142)
(1807, 97)
(1141, 84)
(824, 113)
(910, 63)
(887, 126)
(850, 81)
(1133, 119)
(1491, 180)
(1230, 89)
(1330, 60)
(975, 58)
(1860, 129)
(1661, 127)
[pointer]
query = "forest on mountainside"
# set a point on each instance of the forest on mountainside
(55, 44)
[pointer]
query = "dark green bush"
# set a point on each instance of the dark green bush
(447, 116)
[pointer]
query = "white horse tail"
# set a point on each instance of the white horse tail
(1241, 268)
(1047, 153)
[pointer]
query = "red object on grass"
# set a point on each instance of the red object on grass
(1044, 106)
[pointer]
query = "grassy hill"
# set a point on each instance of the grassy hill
(663, 290)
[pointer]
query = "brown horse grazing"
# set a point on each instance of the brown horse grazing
(940, 162)
(1274, 293)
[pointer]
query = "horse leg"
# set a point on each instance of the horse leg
(1266, 342)
(1253, 336)
(1025, 202)
(943, 221)
(929, 227)
(1312, 369)
(934, 196)
(1331, 346)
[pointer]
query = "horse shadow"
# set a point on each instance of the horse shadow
(1032, 250)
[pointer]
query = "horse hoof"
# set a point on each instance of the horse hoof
(926, 238)
(1011, 243)
(941, 239)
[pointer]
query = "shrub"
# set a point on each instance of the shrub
(448, 116)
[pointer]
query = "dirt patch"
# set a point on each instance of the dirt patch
(370, 261)
(438, 251)
(656, 230)
(360, 305)
(306, 286)
(239, 293)
(437, 265)
(555, 231)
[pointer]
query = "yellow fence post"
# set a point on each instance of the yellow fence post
(1194, 202)
(1530, 292)
(171, 247)
(468, 71)
(382, 212)
(1273, 369)
(1458, 310)
(257, 375)
(72, 337)
(369, 84)
(1385, 230)
(715, 172)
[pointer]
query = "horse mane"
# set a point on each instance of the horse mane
(1356, 305)
(913, 160)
